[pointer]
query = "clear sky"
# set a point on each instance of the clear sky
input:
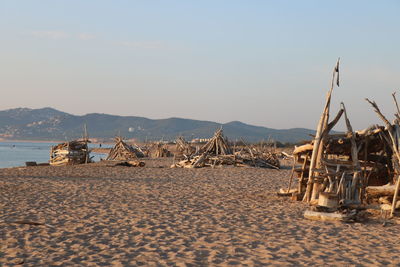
(267, 63)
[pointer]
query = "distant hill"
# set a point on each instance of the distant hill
(51, 124)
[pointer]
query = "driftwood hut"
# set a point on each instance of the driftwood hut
(124, 151)
(341, 172)
(70, 153)
(340, 166)
(337, 168)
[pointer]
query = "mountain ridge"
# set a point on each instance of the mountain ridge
(51, 124)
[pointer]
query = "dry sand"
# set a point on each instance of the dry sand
(157, 216)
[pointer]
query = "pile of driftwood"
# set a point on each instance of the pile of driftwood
(70, 153)
(217, 152)
(159, 150)
(183, 149)
(337, 172)
(259, 157)
(124, 152)
(207, 160)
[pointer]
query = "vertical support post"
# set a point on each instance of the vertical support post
(86, 144)
(318, 140)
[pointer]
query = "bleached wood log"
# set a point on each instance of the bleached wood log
(199, 161)
(325, 216)
(379, 191)
(302, 149)
(285, 193)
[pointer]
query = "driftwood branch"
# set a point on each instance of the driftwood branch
(333, 122)
(397, 106)
(322, 125)
(28, 223)
(380, 115)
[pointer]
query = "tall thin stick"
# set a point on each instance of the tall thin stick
(319, 136)
(86, 143)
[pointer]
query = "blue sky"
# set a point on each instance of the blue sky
(266, 63)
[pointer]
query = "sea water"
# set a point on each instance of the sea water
(15, 154)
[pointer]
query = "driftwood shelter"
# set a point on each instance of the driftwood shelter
(339, 173)
(124, 151)
(336, 165)
(70, 153)
(217, 145)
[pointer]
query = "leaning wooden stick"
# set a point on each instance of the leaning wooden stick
(397, 106)
(333, 122)
(319, 137)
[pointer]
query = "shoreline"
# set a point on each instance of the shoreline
(45, 141)
(30, 141)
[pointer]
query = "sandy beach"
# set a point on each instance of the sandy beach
(95, 215)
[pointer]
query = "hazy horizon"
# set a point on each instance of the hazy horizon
(264, 63)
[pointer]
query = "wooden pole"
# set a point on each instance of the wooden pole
(86, 143)
(315, 156)
(291, 175)
(354, 154)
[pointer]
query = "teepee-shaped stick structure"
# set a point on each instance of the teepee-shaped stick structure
(183, 148)
(218, 145)
(123, 151)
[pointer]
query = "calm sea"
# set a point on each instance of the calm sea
(14, 154)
